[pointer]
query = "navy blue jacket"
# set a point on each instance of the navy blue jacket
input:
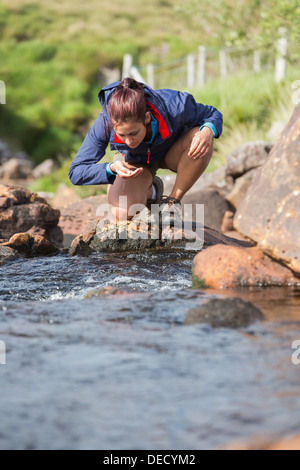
(175, 111)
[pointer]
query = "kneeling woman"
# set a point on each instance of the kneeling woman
(149, 129)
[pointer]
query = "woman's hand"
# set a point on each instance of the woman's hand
(123, 171)
(202, 143)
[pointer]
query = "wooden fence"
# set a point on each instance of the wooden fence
(198, 68)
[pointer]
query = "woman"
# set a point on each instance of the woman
(150, 129)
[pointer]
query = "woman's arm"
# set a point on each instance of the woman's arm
(85, 169)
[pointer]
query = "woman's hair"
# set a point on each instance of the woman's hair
(128, 102)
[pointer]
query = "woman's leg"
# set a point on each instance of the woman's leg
(136, 189)
(188, 170)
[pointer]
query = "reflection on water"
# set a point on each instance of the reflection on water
(121, 371)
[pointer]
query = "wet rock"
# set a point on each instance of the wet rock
(248, 156)
(21, 211)
(123, 236)
(7, 254)
(230, 312)
(269, 213)
(138, 235)
(223, 266)
(31, 245)
(79, 247)
(106, 291)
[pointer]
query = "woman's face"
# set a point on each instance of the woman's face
(132, 133)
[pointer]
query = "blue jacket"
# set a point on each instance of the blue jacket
(175, 111)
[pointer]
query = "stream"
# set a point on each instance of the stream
(122, 371)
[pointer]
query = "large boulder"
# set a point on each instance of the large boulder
(246, 157)
(139, 235)
(269, 213)
(215, 206)
(223, 266)
(22, 211)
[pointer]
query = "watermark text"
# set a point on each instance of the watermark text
(2, 352)
(296, 354)
(160, 222)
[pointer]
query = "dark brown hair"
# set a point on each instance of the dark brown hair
(128, 102)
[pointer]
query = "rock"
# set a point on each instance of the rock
(286, 443)
(15, 169)
(269, 213)
(214, 237)
(241, 186)
(45, 168)
(216, 179)
(223, 266)
(79, 216)
(31, 245)
(123, 236)
(215, 206)
(64, 197)
(266, 442)
(5, 152)
(227, 222)
(21, 210)
(137, 235)
(106, 291)
(248, 156)
(230, 312)
(7, 254)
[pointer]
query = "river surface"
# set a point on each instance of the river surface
(122, 371)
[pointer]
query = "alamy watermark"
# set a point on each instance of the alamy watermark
(296, 354)
(296, 94)
(2, 352)
(159, 222)
(2, 92)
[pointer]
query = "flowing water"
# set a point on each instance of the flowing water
(122, 371)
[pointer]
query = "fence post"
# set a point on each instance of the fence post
(134, 73)
(2, 92)
(281, 54)
(223, 63)
(190, 71)
(201, 66)
(127, 64)
(150, 75)
(256, 62)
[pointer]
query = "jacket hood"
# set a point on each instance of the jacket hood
(105, 93)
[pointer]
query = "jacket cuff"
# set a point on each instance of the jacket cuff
(109, 171)
(212, 127)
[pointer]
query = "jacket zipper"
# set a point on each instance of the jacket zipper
(148, 160)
